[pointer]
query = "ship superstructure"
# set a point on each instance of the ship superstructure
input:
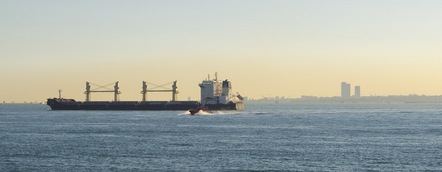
(218, 92)
(217, 95)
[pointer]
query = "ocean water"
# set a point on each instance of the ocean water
(273, 137)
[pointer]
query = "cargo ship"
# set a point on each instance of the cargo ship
(215, 95)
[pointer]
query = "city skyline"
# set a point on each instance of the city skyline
(289, 48)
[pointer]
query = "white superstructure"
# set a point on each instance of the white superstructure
(217, 92)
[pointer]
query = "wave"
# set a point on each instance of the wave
(230, 113)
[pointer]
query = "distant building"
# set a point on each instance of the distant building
(357, 91)
(345, 90)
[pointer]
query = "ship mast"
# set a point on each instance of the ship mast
(116, 92)
(88, 91)
(144, 91)
(59, 93)
(174, 91)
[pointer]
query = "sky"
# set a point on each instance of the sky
(266, 48)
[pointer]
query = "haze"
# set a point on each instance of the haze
(266, 48)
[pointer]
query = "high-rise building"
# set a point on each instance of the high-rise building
(357, 91)
(345, 90)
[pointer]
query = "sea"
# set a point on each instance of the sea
(263, 137)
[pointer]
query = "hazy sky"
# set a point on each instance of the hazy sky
(266, 48)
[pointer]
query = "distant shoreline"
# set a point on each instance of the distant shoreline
(363, 99)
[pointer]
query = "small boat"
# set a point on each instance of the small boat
(199, 109)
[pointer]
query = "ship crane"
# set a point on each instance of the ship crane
(159, 88)
(102, 89)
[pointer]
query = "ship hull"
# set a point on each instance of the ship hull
(70, 104)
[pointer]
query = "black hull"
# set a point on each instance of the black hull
(70, 104)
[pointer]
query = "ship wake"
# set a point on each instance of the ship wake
(202, 113)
